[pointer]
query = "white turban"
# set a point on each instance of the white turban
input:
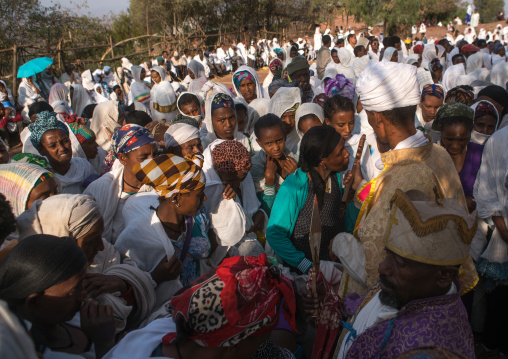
(180, 133)
(383, 86)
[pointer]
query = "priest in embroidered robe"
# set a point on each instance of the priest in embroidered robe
(417, 300)
(389, 93)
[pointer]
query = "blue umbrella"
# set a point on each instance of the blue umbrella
(34, 66)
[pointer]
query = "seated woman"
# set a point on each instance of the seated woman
(107, 118)
(247, 85)
(51, 138)
(86, 138)
(189, 104)
(196, 77)
(79, 99)
(308, 115)
(163, 102)
(486, 121)
(271, 165)
(127, 289)
(284, 104)
(240, 331)
(158, 76)
(455, 121)
(322, 158)
(131, 145)
(99, 94)
(221, 121)
(41, 280)
(183, 140)
(24, 183)
(275, 73)
(172, 223)
(235, 211)
(139, 91)
(59, 100)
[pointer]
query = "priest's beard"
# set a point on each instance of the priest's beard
(388, 298)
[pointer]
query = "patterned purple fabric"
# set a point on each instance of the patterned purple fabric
(470, 167)
(438, 321)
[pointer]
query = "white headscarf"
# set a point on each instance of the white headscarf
(499, 74)
(450, 76)
(477, 137)
(481, 74)
(384, 86)
(126, 64)
(346, 61)
(359, 64)
(26, 92)
(474, 62)
(7, 97)
(256, 109)
(86, 76)
(59, 99)
(307, 109)
(99, 97)
(387, 55)
(80, 99)
(260, 91)
(429, 54)
(180, 133)
(140, 91)
(164, 102)
(284, 99)
(200, 78)
(411, 59)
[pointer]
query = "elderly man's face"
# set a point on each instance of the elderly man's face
(404, 280)
(303, 78)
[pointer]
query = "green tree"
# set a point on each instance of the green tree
(488, 9)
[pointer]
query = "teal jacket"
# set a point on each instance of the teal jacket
(286, 208)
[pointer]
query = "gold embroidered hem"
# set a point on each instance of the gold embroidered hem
(164, 109)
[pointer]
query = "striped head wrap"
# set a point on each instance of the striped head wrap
(239, 76)
(221, 100)
(170, 174)
(45, 121)
(433, 90)
(463, 94)
(485, 108)
(129, 138)
(230, 157)
(81, 132)
(17, 180)
(180, 118)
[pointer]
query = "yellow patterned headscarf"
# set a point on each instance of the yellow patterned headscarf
(170, 174)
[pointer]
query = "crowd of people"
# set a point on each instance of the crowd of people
(354, 206)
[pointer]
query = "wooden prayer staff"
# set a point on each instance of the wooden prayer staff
(315, 244)
(347, 190)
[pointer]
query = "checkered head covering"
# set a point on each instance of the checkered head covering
(170, 174)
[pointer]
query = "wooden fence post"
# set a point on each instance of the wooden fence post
(111, 44)
(14, 69)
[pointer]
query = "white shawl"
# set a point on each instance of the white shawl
(107, 191)
(26, 92)
(7, 97)
(142, 222)
(450, 76)
(499, 74)
(104, 123)
(80, 99)
(139, 89)
(99, 97)
(72, 181)
(200, 78)
(164, 96)
(284, 99)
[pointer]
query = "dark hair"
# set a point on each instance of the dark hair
(456, 56)
(116, 87)
(357, 49)
(294, 48)
(401, 116)
(449, 121)
(188, 98)
(482, 42)
(307, 117)
(164, 52)
(340, 41)
(39, 107)
(222, 44)
(337, 103)
(498, 94)
(395, 39)
(443, 42)
(88, 111)
(211, 48)
(240, 107)
(326, 39)
(7, 219)
(350, 36)
(37, 263)
(317, 143)
(268, 121)
(140, 118)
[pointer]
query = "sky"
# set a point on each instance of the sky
(104, 7)
(95, 7)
